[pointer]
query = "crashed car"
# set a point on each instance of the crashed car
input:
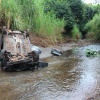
(17, 52)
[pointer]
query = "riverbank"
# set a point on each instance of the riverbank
(46, 46)
(46, 51)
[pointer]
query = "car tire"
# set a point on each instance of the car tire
(35, 55)
(36, 59)
(3, 64)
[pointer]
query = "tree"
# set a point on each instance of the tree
(62, 11)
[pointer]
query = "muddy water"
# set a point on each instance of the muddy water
(72, 76)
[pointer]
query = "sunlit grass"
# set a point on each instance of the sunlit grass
(23, 14)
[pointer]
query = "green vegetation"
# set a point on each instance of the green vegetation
(76, 32)
(10, 12)
(75, 13)
(30, 14)
(94, 27)
(91, 53)
(52, 19)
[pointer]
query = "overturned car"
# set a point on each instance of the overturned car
(17, 52)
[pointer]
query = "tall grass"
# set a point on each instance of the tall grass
(46, 24)
(27, 14)
(94, 26)
(22, 14)
(10, 11)
(76, 32)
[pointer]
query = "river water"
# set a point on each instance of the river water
(72, 76)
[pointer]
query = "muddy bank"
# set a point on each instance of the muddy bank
(46, 51)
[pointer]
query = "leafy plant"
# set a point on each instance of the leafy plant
(90, 53)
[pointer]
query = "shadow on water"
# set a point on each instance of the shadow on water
(72, 76)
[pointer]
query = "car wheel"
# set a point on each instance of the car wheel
(2, 54)
(35, 59)
(35, 55)
(3, 63)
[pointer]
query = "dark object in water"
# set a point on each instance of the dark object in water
(43, 64)
(56, 52)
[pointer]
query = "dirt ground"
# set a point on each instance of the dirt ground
(39, 41)
(44, 42)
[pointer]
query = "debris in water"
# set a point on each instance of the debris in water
(56, 52)
(43, 64)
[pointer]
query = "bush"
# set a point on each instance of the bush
(62, 11)
(76, 34)
(90, 35)
(94, 26)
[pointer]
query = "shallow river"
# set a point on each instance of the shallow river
(72, 76)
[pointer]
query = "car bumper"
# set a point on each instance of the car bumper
(19, 62)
